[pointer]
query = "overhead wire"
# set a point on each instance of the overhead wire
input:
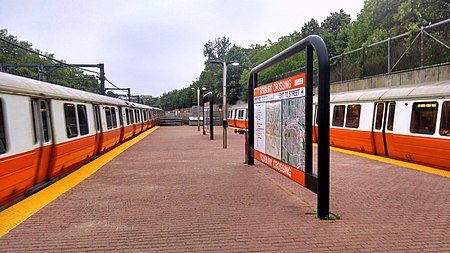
(53, 59)
(46, 56)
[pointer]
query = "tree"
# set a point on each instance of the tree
(217, 49)
(310, 27)
(333, 32)
(412, 14)
(70, 77)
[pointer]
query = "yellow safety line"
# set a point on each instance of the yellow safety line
(16, 214)
(409, 165)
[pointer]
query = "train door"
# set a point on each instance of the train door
(98, 129)
(379, 128)
(43, 133)
(389, 127)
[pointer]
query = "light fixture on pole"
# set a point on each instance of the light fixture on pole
(198, 106)
(224, 103)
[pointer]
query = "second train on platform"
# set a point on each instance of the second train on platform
(408, 123)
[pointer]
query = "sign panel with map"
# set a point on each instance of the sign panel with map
(279, 133)
(207, 124)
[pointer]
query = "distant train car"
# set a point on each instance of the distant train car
(237, 116)
(408, 123)
(48, 130)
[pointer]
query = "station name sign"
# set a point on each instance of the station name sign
(279, 133)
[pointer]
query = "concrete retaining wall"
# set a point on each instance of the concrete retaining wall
(441, 73)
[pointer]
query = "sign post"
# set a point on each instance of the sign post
(280, 121)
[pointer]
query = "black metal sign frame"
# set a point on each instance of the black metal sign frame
(319, 184)
(208, 97)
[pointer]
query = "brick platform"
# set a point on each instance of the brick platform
(176, 191)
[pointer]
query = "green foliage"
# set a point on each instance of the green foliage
(378, 20)
(70, 77)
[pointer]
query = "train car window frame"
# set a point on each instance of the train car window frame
(70, 116)
(379, 113)
(108, 117)
(353, 116)
(34, 122)
(338, 115)
(127, 115)
(113, 117)
(241, 114)
(3, 142)
(423, 117)
(444, 128)
(391, 117)
(132, 116)
(43, 108)
(137, 116)
(97, 118)
(83, 119)
(316, 117)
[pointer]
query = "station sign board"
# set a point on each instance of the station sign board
(206, 109)
(279, 126)
(280, 120)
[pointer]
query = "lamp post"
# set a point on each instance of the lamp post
(224, 106)
(198, 106)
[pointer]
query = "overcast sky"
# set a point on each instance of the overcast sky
(154, 46)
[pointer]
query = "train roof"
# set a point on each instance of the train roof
(21, 85)
(438, 89)
(238, 106)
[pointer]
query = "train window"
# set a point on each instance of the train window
(71, 120)
(230, 114)
(423, 118)
(390, 123)
(338, 115)
(33, 116)
(82, 119)
(353, 115)
(241, 114)
(2, 130)
(379, 116)
(444, 129)
(132, 116)
(97, 117)
(127, 115)
(44, 114)
(317, 114)
(113, 117)
(108, 117)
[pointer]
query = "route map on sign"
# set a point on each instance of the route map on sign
(273, 129)
(207, 117)
(280, 124)
(293, 118)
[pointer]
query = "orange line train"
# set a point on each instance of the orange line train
(47, 131)
(408, 123)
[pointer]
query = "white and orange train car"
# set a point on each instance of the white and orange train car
(408, 123)
(47, 131)
(237, 116)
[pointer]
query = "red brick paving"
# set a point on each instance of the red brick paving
(176, 191)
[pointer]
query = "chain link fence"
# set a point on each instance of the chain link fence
(424, 48)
